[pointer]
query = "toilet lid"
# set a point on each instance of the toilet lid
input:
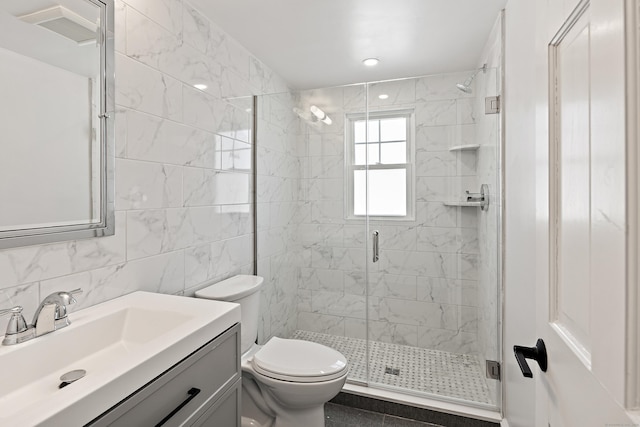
(299, 361)
(231, 289)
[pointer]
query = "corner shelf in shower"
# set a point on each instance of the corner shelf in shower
(463, 204)
(468, 147)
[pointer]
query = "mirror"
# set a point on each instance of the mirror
(56, 120)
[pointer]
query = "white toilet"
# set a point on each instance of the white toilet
(285, 383)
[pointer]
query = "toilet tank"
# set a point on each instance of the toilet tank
(243, 290)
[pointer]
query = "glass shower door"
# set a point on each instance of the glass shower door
(432, 293)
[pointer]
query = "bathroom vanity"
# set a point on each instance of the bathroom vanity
(150, 359)
(201, 390)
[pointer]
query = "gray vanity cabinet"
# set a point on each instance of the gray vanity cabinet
(225, 411)
(201, 390)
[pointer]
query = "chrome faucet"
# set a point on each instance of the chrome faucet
(17, 330)
(52, 312)
(51, 315)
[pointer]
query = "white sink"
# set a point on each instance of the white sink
(122, 344)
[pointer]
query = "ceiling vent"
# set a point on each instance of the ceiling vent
(64, 22)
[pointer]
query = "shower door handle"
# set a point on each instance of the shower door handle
(376, 246)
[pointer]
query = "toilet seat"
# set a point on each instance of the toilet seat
(298, 361)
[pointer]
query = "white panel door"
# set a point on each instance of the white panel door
(582, 282)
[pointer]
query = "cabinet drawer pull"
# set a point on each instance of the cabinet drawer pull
(193, 392)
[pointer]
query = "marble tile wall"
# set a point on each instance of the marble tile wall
(424, 290)
(279, 212)
(183, 170)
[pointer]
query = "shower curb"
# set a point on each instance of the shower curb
(406, 411)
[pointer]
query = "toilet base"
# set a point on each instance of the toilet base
(250, 422)
(309, 417)
(256, 412)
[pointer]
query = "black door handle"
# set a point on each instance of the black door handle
(537, 353)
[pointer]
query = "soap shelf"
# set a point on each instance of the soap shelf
(468, 147)
(463, 203)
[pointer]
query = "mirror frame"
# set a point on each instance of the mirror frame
(106, 226)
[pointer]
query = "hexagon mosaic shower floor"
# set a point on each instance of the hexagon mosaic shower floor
(430, 371)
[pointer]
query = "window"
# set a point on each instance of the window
(388, 144)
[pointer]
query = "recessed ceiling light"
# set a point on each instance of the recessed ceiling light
(383, 96)
(370, 62)
(200, 86)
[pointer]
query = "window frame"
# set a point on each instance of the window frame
(351, 168)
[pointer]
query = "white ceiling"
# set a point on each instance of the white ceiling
(314, 44)
(45, 45)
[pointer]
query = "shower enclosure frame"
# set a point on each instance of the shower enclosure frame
(368, 229)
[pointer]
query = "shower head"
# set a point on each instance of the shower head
(466, 86)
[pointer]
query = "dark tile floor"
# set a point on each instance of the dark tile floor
(345, 416)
